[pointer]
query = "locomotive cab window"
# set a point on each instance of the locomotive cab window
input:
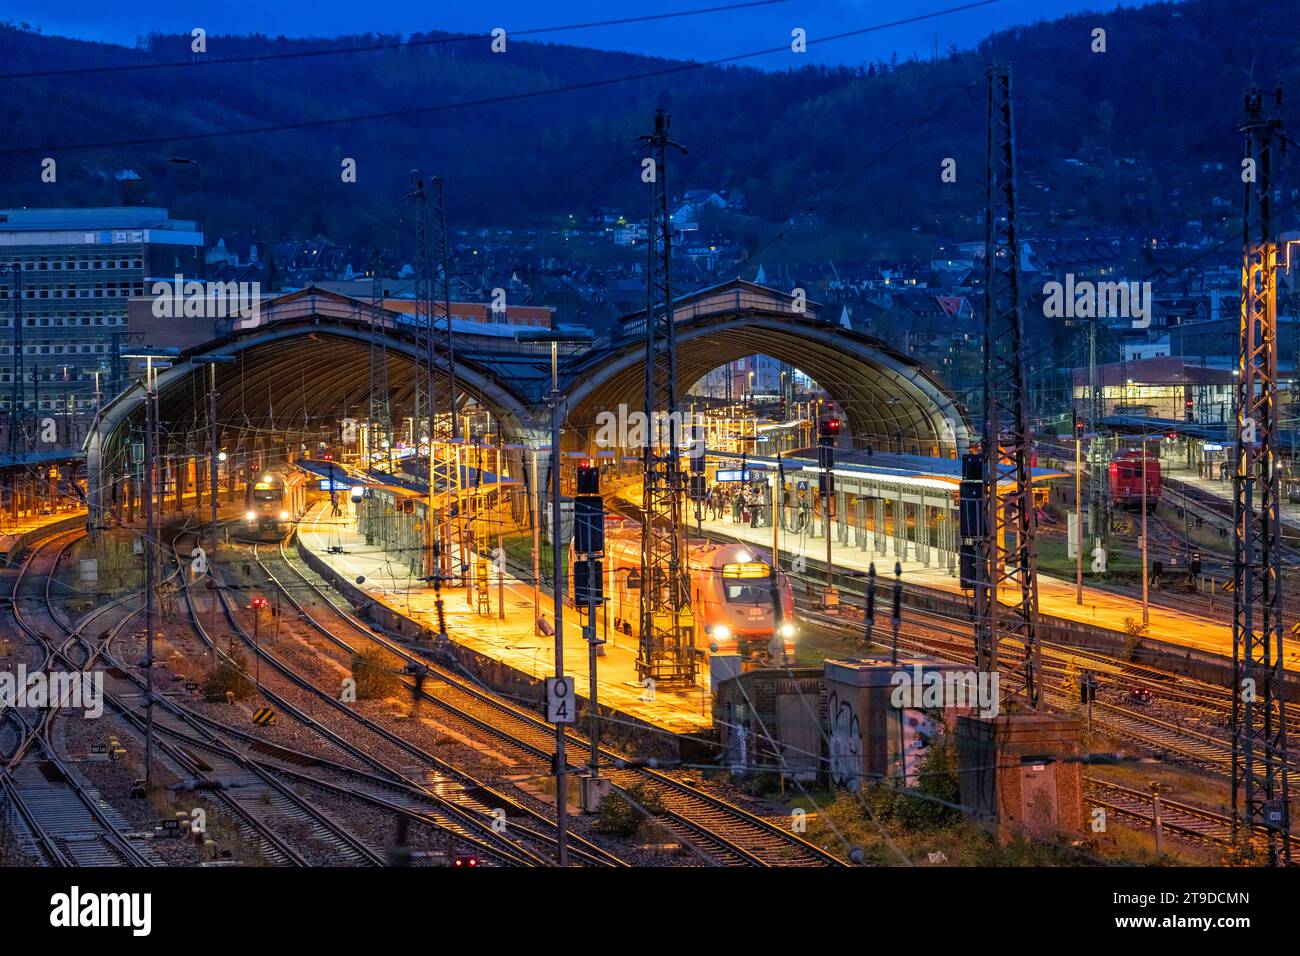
(743, 592)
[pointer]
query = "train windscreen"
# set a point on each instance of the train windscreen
(747, 583)
(742, 592)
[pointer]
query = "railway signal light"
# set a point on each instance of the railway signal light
(828, 430)
(588, 479)
(588, 582)
(588, 524)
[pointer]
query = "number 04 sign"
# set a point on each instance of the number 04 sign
(561, 703)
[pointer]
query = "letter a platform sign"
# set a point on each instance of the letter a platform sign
(561, 702)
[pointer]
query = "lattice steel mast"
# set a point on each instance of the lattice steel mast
(443, 267)
(1006, 556)
(667, 648)
(1259, 744)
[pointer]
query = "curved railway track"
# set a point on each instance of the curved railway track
(65, 819)
(259, 805)
(456, 794)
(724, 832)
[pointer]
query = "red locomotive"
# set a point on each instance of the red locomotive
(1126, 480)
(731, 596)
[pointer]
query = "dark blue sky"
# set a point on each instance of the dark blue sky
(700, 37)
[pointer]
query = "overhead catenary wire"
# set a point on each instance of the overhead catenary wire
(480, 102)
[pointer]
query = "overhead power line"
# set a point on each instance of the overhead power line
(392, 47)
(675, 68)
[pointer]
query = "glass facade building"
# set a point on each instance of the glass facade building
(69, 273)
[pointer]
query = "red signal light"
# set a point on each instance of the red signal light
(833, 426)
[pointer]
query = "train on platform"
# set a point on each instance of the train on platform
(272, 503)
(731, 598)
(1126, 480)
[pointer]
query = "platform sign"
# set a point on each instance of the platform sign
(561, 700)
(731, 475)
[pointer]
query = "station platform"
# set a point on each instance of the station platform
(16, 532)
(1056, 597)
(511, 641)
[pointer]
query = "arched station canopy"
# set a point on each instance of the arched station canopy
(883, 394)
(300, 366)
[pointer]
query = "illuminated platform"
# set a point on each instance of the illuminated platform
(15, 533)
(511, 641)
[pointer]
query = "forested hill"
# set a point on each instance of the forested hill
(1129, 135)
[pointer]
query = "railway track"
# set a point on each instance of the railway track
(65, 821)
(724, 832)
(457, 795)
(259, 805)
(1192, 823)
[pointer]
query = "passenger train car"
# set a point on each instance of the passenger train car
(272, 503)
(731, 596)
(1126, 480)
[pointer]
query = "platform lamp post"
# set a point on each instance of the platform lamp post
(150, 356)
(554, 337)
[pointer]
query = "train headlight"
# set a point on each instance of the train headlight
(251, 515)
(787, 630)
(721, 632)
(284, 516)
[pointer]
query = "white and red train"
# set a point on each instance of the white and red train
(272, 503)
(731, 596)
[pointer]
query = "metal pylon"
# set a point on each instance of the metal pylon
(667, 641)
(1006, 565)
(1259, 743)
